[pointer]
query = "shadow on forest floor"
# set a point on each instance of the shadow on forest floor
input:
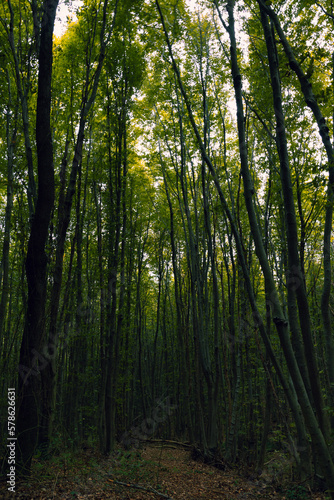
(151, 473)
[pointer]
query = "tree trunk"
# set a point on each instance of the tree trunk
(31, 360)
(277, 313)
(21, 89)
(90, 90)
(312, 103)
(4, 268)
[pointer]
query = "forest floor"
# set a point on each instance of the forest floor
(152, 473)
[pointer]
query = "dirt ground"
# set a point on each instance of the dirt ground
(156, 472)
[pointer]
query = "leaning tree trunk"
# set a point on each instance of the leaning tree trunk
(295, 281)
(22, 93)
(36, 262)
(277, 313)
(312, 103)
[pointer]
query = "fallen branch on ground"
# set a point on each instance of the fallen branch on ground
(143, 488)
(169, 442)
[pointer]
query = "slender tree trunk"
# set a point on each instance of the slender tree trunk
(158, 314)
(31, 191)
(4, 268)
(295, 279)
(178, 301)
(312, 103)
(278, 317)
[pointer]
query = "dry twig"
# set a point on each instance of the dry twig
(138, 487)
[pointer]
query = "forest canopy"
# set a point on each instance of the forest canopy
(166, 205)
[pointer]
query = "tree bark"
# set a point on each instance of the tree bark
(312, 103)
(4, 268)
(295, 279)
(21, 89)
(31, 361)
(65, 216)
(277, 313)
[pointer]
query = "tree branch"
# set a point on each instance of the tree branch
(142, 488)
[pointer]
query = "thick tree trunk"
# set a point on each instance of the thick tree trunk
(90, 90)
(36, 264)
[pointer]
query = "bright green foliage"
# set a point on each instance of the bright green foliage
(161, 277)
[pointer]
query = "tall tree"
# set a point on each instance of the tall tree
(36, 263)
(90, 87)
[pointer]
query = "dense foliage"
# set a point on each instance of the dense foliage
(183, 286)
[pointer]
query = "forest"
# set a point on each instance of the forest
(166, 206)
